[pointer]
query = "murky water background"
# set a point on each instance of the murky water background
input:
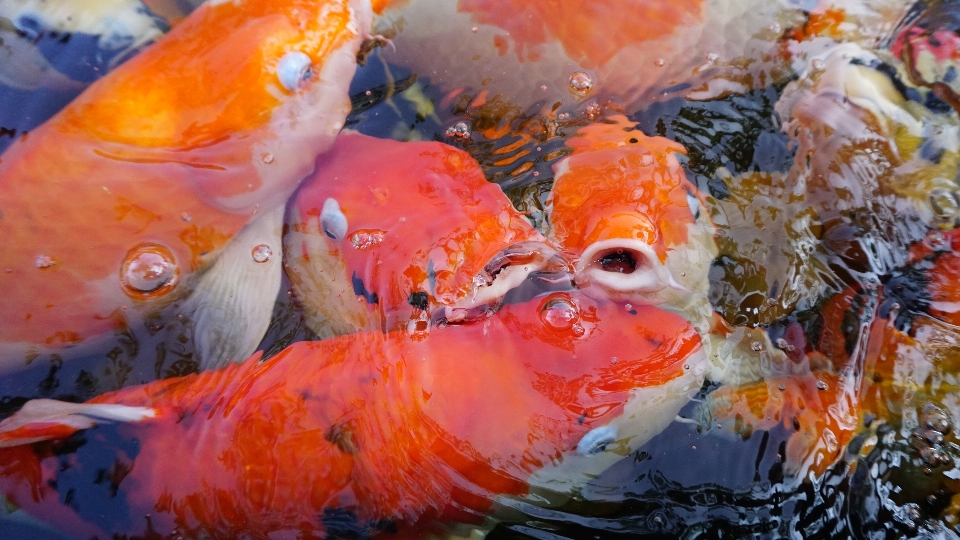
(787, 248)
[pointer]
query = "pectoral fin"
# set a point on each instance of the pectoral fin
(232, 304)
(48, 419)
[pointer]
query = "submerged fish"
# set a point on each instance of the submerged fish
(871, 154)
(119, 27)
(385, 234)
(544, 52)
(165, 181)
(639, 231)
(365, 433)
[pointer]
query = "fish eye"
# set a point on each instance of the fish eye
(596, 440)
(694, 204)
(293, 69)
(332, 221)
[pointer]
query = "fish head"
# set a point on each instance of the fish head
(247, 90)
(386, 233)
(556, 389)
(624, 210)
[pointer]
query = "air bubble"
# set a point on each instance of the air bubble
(712, 57)
(185, 216)
(560, 314)
(460, 130)
(363, 240)
(660, 62)
(937, 241)
(44, 261)
(267, 158)
(593, 111)
(817, 64)
(262, 253)
(782, 343)
(581, 82)
(944, 203)
(756, 346)
(821, 385)
(935, 418)
(775, 27)
(148, 268)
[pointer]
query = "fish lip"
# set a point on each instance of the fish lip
(505, 271)
(649, 275)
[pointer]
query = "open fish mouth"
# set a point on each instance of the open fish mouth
(506, 271)
(625, 266)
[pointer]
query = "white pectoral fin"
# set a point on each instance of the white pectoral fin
(48, 419)
(232, 303)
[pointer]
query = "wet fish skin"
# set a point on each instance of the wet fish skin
(385, 234)
(144, 159)
(388, 431)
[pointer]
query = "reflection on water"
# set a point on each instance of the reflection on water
(830, 173)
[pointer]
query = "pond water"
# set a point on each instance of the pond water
(823, 141)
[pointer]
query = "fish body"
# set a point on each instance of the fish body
(372, 431)
(125, 202)
(386, 234)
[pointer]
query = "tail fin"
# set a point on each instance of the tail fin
(47, 419)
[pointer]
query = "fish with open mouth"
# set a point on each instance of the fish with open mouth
(389, 235)
(369, 432)
(639, 231)
(163, 185)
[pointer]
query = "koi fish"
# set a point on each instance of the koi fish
(369, 432)
(120, 28)
(51, 51)
(163, 183)
(418, 231)
(639, 231)
(870, 153)
(868, 368)
(928, 46)
(939, 255)
(534, 52)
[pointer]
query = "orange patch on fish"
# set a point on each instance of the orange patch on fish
(389, 431)
(615, 172)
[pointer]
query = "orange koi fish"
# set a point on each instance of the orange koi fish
(639, 232)
(386, 245)
(942, 250)
(164, 182)
(627, 213)
(366, 433)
